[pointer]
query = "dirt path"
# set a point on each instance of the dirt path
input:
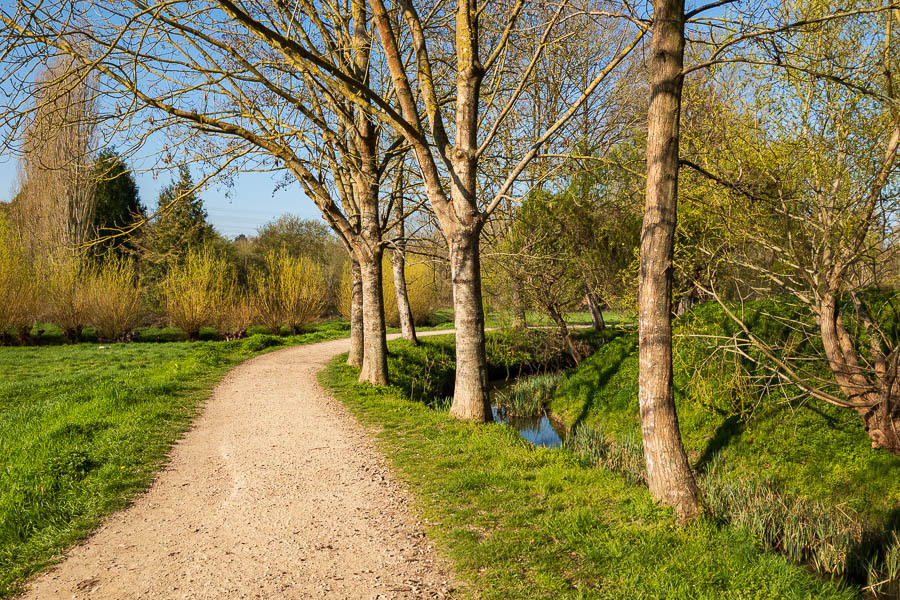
(276, 492)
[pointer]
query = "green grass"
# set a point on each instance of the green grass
(500, 319)
(812, 449)
(83, 429)
(799, 474)
(524, 522)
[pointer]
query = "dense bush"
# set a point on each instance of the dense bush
(196, 291)
(67, 302)
(288, 290)
(19, 288)
(112, 298)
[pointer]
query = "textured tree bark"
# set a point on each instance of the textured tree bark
(355, 358)
(471, 401)
(668, 473)
(596, 314)
(398, 263)
(407, 326)
(877, 399)
(374, 368)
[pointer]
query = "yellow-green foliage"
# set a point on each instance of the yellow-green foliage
(198, 291)
(237, 317)
(112, 298)
(19, 288)
(66, 301)
(421, 290)
(345, 297)
(288, 290)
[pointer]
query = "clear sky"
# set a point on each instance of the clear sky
(249, 204)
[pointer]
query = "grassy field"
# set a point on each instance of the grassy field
(84, 427)
(523, 522)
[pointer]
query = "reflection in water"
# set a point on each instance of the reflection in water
(540, 430)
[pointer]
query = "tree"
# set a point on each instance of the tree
(179, 227)
(814, 208)
(541, 245)
(117, 203)
(669, 475)
(55, 205)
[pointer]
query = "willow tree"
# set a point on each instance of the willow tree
(813, 207)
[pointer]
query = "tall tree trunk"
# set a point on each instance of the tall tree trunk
(355, 358)
(398, 263)
(374, 368)
(407, 326)
(470, 395)
(596, 314)
(668, 473)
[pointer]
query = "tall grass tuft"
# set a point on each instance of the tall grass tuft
(529, 396)
(112, 298)
(624, 456)
(288, 291)
(197, 291)
(883, 571)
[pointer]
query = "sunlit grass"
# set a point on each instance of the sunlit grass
(85, 427)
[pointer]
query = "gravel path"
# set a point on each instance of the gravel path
(276, 492)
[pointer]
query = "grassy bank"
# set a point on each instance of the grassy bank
(84, 427)
(523, 522)
(799, 474)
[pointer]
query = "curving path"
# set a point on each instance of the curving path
(276, 492)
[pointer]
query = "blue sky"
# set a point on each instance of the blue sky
(247, 206)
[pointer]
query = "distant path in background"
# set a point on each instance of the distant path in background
(276, 492)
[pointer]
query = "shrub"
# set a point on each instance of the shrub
(261, 341)
(288, 290)
(112, 298)
(19, 286)
(66, 297)
(197, 291)
(238, 317)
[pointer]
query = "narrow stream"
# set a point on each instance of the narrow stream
(540, 430)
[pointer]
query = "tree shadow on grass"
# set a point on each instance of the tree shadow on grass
(730, 428)
(603, 376)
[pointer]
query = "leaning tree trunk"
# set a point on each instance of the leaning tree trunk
(557, 317)
(407, 326)
(470, 395)
(668, 473)
(596, 314)
(355, 358)
(876, 394)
